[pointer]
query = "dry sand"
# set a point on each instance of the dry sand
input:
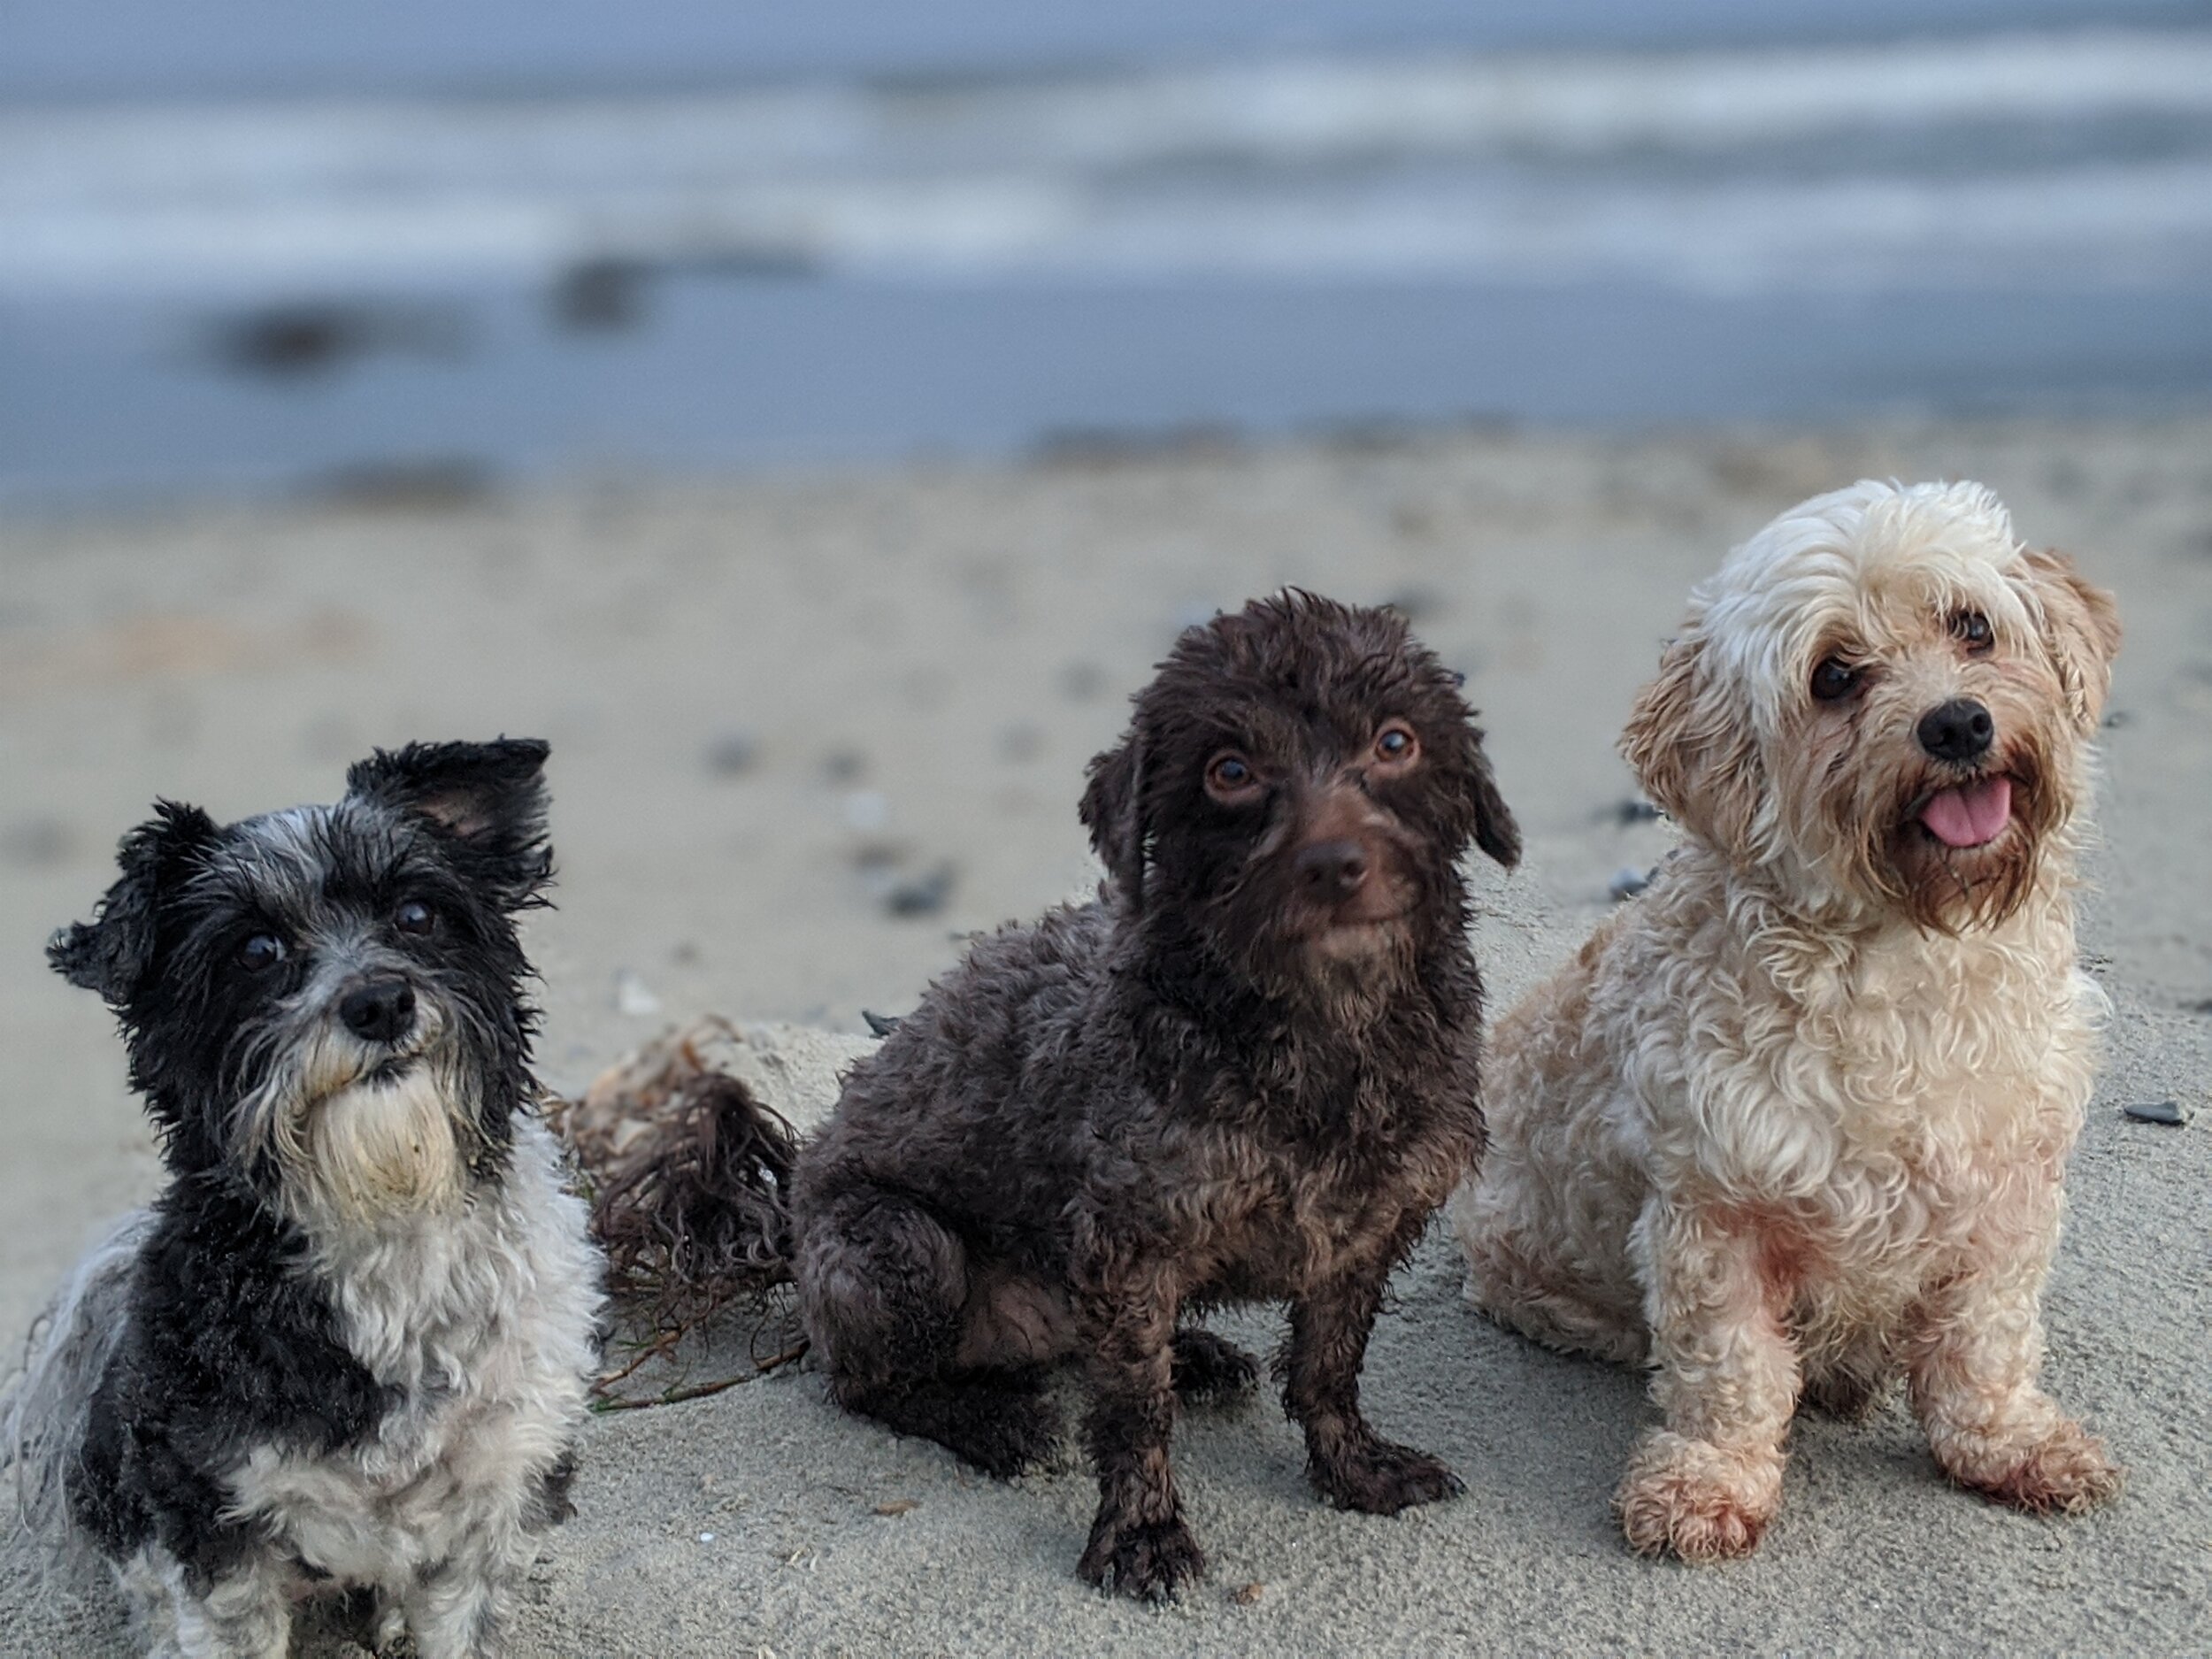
(777, 706)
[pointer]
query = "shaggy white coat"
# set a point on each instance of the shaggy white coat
(1795, 1121)
(483, 1314)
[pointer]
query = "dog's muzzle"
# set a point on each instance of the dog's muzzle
(382, 1010)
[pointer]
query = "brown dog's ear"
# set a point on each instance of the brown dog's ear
(2081, 631)
(1694, 753)
(111, 953)
(1113, 811)
(1496, 831)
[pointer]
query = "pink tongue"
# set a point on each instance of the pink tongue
(1969, 816)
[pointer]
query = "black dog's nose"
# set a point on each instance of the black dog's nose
(1331, 869)
(1958, 730)
(382, 1010)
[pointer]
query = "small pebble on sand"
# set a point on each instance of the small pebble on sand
(2173, 1112)
(632, 996)
(1627, 882)
(732, 754)
(924, 895)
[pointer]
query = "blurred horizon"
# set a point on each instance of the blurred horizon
(67, 50)
(254, 246)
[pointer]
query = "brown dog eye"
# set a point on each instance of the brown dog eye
(1973, 628)
(1230, 776)
(260, 953)
(1396, 745)
(1834, 680)
(413, 916)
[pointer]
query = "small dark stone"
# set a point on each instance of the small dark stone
(2117, 718)
(1080, 682)
(880, 1025)
(879, 859)
(924, 895)
(2172, 1112)
(1635, 809)
(37, 841)
(1627, 882)
(601, 294)
(291, 341)
(732, 754)
(428, 484)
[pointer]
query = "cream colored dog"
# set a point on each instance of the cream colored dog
(1795, 1121)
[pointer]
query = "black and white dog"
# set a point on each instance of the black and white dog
(348, 1347)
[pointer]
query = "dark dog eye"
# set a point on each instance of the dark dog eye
(1396, 745)
(1834, 680)
(1973, 628)
(260, 953)
(1230, 776)
(414, 916)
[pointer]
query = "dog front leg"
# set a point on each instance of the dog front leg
(247, 1615)
(1350, 1464)
(1707, 1485)
(1977, 1349)
(1139, 1544)
(461, 1608)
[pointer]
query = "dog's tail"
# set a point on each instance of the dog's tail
(43, 1408)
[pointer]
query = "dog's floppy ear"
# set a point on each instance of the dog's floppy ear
(1693, 751)
(1113, 811)
(2081, 630)
(1496, 831)
(488, 796)
(111, 953)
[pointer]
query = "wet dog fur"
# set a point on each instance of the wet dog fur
(347, 1348)
(1245, 1071)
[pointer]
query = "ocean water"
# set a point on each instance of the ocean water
(300, 265)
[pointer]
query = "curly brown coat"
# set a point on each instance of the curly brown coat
(1245, 1071)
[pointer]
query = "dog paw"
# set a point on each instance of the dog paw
(1385, 1479)
(1009, 1434)
(1691, 1499)
(1148, 1560)
(1211, 1370)
(2068, 1473)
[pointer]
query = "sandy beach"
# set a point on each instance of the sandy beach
(810, 733)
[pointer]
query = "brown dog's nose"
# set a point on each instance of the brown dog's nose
(1331, 871)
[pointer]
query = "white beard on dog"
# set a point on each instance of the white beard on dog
(357, 1148)
(384, 1146)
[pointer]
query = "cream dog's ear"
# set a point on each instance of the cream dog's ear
(2081, 631)
(1691, 747)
